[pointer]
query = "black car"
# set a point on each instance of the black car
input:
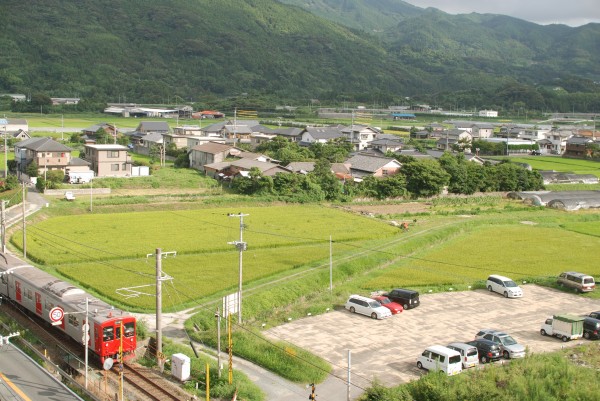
(591, 327)
(536, 153)
(407, 298)
(488, 350)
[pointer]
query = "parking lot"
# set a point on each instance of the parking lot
(388, 349)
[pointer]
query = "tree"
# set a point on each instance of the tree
(424, 177)
(255, 183)
(101, 136)
(32, 169)
(328, 182)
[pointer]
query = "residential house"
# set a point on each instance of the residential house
(293, 134)
(359, 135)
(341, 170)
(579, 146)
(45, 152)
(108, 160)
(181, 135)
(320, 135)
(146, 142)
(558, 139)
(235, 133)
(384, 145)
(454, 137)
(210, 153)
(534, 134)
(362, 165)
(148, 127)
(482, 130)
(111, 130)
(20, 135)
(231, 168)
(257, 139)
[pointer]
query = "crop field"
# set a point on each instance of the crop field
(522, 252)
(576, 166)
(109, 251)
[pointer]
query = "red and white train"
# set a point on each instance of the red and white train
(40, 292)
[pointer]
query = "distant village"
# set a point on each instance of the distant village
(223, 149)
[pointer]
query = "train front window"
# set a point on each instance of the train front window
(108, 334)
(129, 329)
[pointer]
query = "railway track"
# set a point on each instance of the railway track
(137, 388)
(145, 381)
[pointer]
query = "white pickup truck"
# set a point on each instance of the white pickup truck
(564, 326)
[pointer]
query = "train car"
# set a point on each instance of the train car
(39, 292)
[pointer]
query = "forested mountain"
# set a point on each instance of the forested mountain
(151, 50)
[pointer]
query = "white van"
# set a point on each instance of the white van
(367, 306)
(579, 281)
(441, 358)
(503, 285)
(468, 352)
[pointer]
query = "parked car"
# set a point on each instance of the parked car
(536, 153)
(503, 285)
(508, 346)
(394, 307)
(468, 353)
(487, 350)
(566, 327)
(407, 298)
(578, 281)
(367, 306)
(591, 327)
(441, 358)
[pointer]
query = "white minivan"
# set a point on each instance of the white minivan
(441, 358)
(367, 306)
(468, 352)
(503, 285)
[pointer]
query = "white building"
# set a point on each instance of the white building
(488, 113)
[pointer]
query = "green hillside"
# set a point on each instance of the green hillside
(369, 51)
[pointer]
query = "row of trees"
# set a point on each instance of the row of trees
(417, 178)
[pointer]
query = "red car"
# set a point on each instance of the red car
(392, 306)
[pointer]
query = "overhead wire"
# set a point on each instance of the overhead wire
(316, 240)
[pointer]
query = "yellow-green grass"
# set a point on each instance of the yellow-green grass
(519, 251)
(70, 239)
(577, 166)
(195, 276)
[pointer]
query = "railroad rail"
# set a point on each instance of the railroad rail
(141, 380)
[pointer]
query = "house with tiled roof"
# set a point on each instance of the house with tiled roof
(293, 134)
(211, 152)
(339, 169)
(110, 129)
(320, 135)
(230, 168)
(362, 165)
(580, 146)
(108, 160)
(45, 152)
(359, 135)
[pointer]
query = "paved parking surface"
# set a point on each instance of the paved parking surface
(388, 349)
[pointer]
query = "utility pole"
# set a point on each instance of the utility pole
(86, 338)
(159, 279)
(241, 246)
(3, 227)
(218, 316)
(5, 155)
(159, 308)
(349, 367)
(330, 266)
(24, 229)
